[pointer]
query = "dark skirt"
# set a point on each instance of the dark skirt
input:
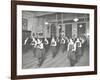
(78, 53)
(57, 47)
(66, 46)
(62, 47)
(46, 48)
(39, 53)
(54, 51)
(34, 49)
(72, 57)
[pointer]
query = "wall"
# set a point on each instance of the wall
(5, 40)
(37, 24)
(29, 16)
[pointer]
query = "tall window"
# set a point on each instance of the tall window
(53, 29)
(81, 29)
(68, 30)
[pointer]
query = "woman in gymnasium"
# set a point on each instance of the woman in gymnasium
(46, 44)
(78, 49)
(34, 44)
(71, 52)
(40, 52)
(53, 46)
(62, 42)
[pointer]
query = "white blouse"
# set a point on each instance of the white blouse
(53, 42)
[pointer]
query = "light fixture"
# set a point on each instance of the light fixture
(59, 27)
(80, 25)
(75, 19)
(46, 23)
(87, 34)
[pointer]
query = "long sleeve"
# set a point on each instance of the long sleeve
(74, 47)
(25, 41)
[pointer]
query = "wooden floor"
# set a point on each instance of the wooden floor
(60, 60)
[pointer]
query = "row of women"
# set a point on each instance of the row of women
(41, 47)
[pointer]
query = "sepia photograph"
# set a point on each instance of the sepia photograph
(53, 39)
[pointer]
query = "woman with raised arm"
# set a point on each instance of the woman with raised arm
(66, 43)
(34, 44)
(58, 43)
(78, 49)
(39, 52)
(46, 44)
(27, 43)
(53, 46)
(71, 52)
(62, 44)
